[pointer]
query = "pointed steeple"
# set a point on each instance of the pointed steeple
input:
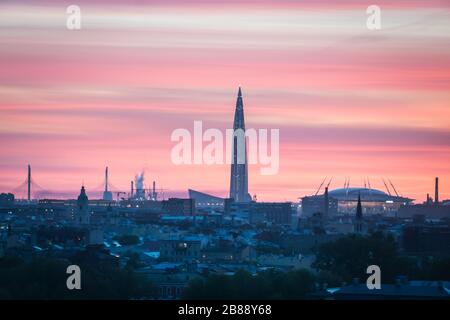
(358, 223)
(239, 92)
(359, 208)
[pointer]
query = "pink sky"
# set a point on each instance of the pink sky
(349, 102)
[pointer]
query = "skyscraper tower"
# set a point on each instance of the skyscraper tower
(239, 169)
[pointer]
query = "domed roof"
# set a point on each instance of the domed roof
(356, 191)
(353, 193)
(82, 197)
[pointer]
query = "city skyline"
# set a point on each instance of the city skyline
(348, 102)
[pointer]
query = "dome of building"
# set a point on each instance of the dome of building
(82, 197)
(366, 194)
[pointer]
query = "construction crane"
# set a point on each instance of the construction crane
(393, 187)
(329, 182)
(320, 186)
(348, 185)
(389, 192)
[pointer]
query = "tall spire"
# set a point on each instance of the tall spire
(359, 208)
(239, 169)
(359, 216)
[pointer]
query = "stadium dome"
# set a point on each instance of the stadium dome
(344, 201)
(366, 194)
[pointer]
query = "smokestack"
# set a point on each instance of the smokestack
(132, 188)
(29, 183)
(326, 202)
(436, 191)
(428, 199)
(106, 179)
(154, 191)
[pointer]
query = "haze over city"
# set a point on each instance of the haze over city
(349, 102)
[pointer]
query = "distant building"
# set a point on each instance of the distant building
(240, 210)
(426, 239)
(305, 243)
(314, 204)
(429, 210)
(177, 206)
(6, 199)
(278, 213)
(47, 236)
(206, 201)
(344, 201)
(180, 249)
(170, 278)
(82, 213)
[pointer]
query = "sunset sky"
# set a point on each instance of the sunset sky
(348, 101)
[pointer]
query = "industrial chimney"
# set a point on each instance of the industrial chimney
(106, 179)
(436, 191)
(107, 195)
(154, 194)
(132, 189)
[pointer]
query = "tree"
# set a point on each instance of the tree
(269, 284)
(45, 278)
(349, 257)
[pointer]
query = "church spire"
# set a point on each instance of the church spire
(359, 208)
(359, 216)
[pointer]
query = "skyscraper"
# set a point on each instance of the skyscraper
(239, 169)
